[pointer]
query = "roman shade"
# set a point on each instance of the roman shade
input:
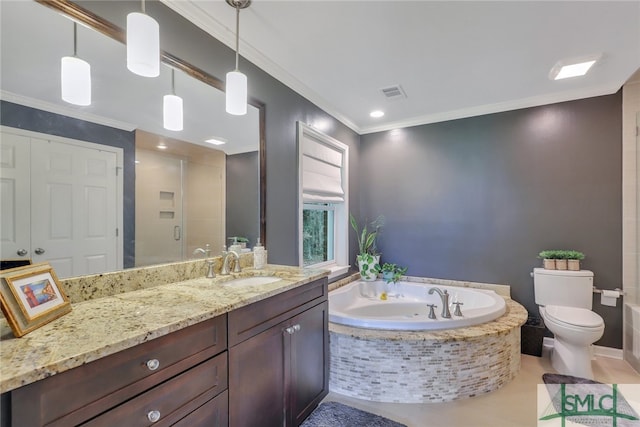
(322, 169)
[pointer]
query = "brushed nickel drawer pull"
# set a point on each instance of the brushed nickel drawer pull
(153, 364)
(293, 329)
(153, 416)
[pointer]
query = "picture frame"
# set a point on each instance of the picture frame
(31, 296)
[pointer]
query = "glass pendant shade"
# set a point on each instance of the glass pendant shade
(143, 45)
(172, 112)
(76, 80)
(236, 93)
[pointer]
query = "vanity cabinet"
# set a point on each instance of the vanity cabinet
(278, 357)
(180, 378)
(264, 364)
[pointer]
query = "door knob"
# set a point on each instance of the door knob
(39, 251)
(22, 252)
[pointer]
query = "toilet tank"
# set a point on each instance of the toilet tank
(563, 287)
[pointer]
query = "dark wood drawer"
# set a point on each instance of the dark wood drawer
(172, 400)
(77, 395)
(250, 320)
(214, 413)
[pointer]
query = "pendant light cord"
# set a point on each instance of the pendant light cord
(237, 34)
(173, 82)
(143, 8)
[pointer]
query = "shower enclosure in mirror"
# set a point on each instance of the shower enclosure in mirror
(105, 187)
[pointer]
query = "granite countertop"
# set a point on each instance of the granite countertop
(99, 327)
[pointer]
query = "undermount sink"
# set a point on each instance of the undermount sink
(252, 281)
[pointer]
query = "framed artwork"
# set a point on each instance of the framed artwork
(31, 296)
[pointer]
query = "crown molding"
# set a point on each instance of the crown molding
(499, 107)
(65, 111)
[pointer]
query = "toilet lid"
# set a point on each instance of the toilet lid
(574, 316)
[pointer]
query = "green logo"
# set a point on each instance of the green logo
(589, 404)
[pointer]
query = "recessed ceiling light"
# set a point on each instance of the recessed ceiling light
(572, 68)
(216, 141)
(161, 146)
(376, 114)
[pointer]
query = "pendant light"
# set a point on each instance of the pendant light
(75, 76)
(172, 108)
(143, 44)
(236, 86)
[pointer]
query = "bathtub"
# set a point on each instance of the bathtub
(359, 304)
(390, 351)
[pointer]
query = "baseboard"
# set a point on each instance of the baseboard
(613, 353)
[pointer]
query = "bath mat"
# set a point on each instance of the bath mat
(334, 414)
(565, 379)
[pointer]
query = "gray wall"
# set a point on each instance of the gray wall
(19, 116)
(477, 199)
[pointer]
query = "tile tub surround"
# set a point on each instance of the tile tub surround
(429, 366)
(99, 327)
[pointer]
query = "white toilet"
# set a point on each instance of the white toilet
(565, 301)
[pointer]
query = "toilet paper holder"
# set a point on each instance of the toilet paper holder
(599, 291)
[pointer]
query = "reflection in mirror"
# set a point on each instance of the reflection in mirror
(158, 204)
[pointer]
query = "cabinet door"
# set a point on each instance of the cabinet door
(309, 362)
(256, 380)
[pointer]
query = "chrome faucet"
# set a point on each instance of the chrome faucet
(444, 296)
(225, 262)
(207, 253)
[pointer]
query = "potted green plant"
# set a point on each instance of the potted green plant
(242, 241)
(368, 257)
(391, 273)
(573, 260)
(548, 259)
(561, 260)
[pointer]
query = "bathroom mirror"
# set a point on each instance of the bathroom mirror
(34, 39)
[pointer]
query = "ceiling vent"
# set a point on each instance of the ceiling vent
(393, 92)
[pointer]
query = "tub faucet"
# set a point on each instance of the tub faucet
(444, 296)
(225, 262)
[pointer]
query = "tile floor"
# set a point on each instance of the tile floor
(513, 405)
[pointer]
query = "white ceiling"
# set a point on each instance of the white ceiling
(453, 59)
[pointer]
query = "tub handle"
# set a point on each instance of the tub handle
(432, 311)
(457, 311)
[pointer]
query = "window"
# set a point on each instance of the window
(323, 195)
(318, 233)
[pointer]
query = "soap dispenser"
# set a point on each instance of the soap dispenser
(234, 246)
(259, 255)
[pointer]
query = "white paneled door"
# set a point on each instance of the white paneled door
(15, 200)
(74, 204)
